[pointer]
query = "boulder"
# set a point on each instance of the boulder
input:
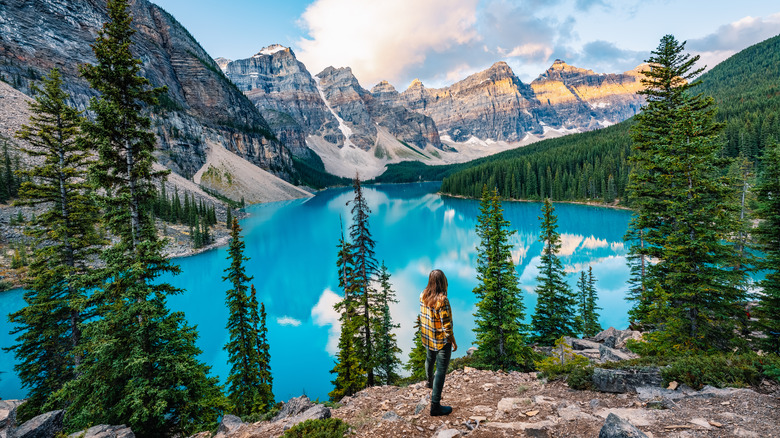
(470, 351)
(294, 406)
(619, 381)
(603, 335)
(43, 426)
(591, 353)
(316, 412)
(8, 416)
(228, 426)
(104, 431)
(607, 354)
(581, 344)
(616, 427)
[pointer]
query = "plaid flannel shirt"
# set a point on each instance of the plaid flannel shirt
(435, 325)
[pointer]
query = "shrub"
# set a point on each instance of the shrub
(327, 428)
(562, 361)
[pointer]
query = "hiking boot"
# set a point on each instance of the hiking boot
(437, 409)
(429, 385)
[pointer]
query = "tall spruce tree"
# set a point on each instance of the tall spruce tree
(350, 376)
(554, 315)
(140, 367)
(387, 351)
(768, 236)
(242, 347)
(684, 209)
(266, 389)
(499, 328)
(590, 314)
(364, 270)
(416, 363)
(49, 344)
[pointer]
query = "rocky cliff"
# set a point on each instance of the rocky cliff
(202, 106)
(495, 105)
(324, 111)
(586, 100)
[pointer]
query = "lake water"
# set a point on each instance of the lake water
(292, 251)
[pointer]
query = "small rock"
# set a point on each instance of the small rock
(701, 422)
(616, 427)
(541, 399)
(594, 403)
(744, 433)
(419, 428)
(43, 426)
(447, 433)
(431, 427)
(508, 404)
(468, 370)
(104, 431)
(478, 418)
(536, 432)
(421, 405)
(391, 416)
(672, 385)
(573, 412)
(715, 423)
(532, 413)
(488, 386)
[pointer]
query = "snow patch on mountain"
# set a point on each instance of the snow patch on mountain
(346, 130)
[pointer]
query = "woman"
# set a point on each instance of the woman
(437, 336)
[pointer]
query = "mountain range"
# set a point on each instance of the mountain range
(270, 111)
(352, 128)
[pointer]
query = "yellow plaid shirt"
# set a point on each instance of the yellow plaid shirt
(435, 325)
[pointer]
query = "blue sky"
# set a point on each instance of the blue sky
(442, 41)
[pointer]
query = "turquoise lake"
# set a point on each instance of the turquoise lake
(292, 251)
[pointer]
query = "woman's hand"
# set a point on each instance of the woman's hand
(454, 345)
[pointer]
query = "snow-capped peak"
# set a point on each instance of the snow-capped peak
(270, 50)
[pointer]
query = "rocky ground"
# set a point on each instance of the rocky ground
(498, 404)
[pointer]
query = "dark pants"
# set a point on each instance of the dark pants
(442, 359)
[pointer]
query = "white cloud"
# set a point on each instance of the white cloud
(382, 39)
(324, 314)
(733, 37)
(535, 51)
(592, 242)
(569, 243)
(287, 320)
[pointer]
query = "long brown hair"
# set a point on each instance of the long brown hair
(436, 291)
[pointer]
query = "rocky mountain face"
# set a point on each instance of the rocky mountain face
(586, 100)
(201, 107)
(331, 105)
(494, 104)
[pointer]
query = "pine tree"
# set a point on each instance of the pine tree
(417, 357)
(768, 236)
(350, 376)
(265, 390)
(387, 351)
(140, 367)
(49, 327)
(244, 380)
(363, 273)
(499, 328)
(554, 315)
(229, 216)
(582, 296)
(684, 210)
(590, 315)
